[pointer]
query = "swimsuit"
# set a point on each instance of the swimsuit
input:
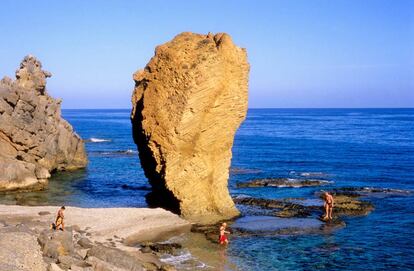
(222, 239)
(330, 203)
(59, 220)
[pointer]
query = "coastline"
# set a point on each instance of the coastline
(115, 231)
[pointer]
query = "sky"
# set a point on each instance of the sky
(303, 53)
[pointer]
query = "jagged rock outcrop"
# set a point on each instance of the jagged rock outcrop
(187, 105)
(34, 139)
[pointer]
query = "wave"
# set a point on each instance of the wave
(183, 260)
(309, 174)
(97, 140)
(114, 153)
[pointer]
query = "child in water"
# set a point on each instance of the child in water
(223, 240)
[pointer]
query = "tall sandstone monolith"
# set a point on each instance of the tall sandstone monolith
(34, 139)
(188, 103)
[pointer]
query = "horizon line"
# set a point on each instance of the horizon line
(102, 108)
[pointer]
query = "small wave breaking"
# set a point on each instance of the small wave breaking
(184, 261)
(118, 153)
(97, 140)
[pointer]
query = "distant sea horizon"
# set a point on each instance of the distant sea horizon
(105, 108)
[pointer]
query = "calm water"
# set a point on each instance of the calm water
(350, 147)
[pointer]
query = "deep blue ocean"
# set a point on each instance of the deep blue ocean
(350, 147)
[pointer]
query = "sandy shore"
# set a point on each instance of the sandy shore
(133, 225)
(110, 235)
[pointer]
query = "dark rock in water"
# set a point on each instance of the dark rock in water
(293, 212)
(347, 202)
(116, 257)
(244, 170)
(345, 205)
(286, 209)
(336, 222)
(283, 182)
(264, 203)
(167, 248)
(369, 191)
(139, 187)
(34, 139)
(349, 206)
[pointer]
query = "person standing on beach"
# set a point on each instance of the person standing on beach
(328, 205)
(223, 240)
(59, 224)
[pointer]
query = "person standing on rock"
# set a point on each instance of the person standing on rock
(223, 240)
(59, 224)
(328, 205)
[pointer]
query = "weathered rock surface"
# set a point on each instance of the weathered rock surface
(56, 243)
(168, 248)
(34, 139)
(344, 206)
(116, 257)
(20, 251)
(187, 105)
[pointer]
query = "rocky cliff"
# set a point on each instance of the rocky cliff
(188, 103)
(34, 139)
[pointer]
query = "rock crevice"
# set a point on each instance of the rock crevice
(34, 139)
(188, 103)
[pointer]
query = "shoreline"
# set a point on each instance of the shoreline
(106, 233)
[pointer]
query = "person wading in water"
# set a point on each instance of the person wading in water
(328, 205)
(223, 240)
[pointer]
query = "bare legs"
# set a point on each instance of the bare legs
(330, 207)
(326, 207)
(328, 212)
(60, 224)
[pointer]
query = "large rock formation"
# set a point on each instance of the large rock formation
(187, 105)
(34, 139)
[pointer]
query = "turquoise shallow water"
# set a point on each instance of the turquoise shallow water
(350, 147)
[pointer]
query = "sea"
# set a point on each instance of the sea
(347, 147)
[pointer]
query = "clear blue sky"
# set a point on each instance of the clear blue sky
(351, 53)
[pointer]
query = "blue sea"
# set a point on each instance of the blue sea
(349, 147)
